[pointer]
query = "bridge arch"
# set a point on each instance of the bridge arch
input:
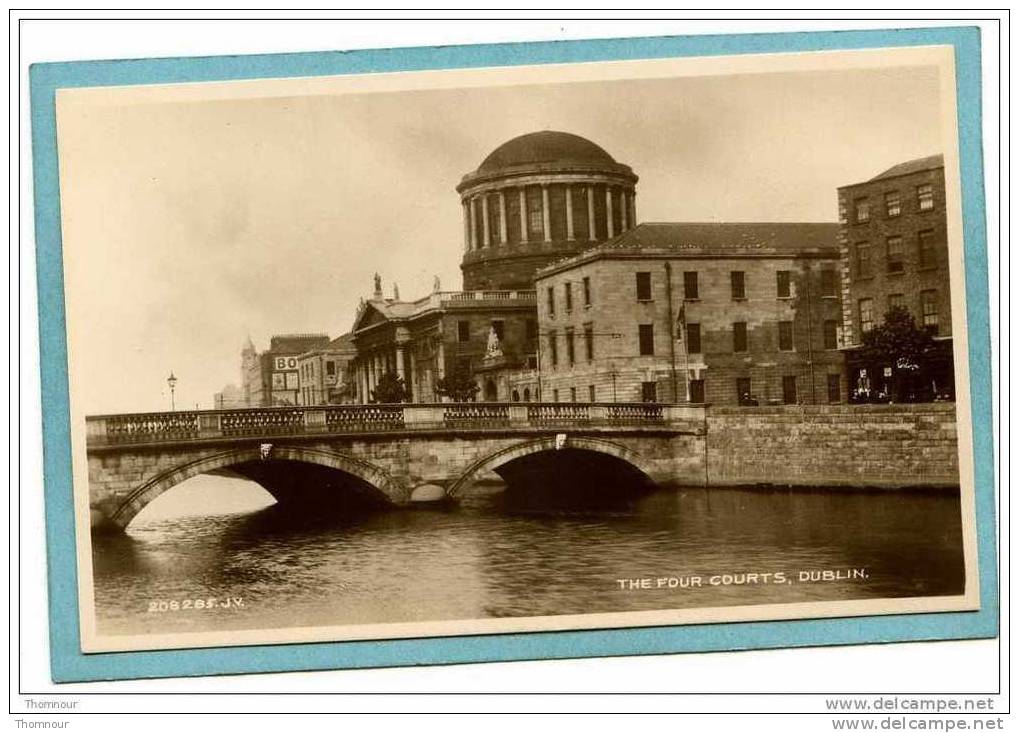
(513, 452)
(378, 479)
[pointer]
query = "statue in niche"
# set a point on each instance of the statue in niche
(494, 350)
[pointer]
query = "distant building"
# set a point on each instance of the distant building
(230, 397)
(272, 377)
(323, 374)
(894, 246)
(722, 313)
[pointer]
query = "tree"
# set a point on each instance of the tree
(458, 385)
(898, 343)
(390, 389)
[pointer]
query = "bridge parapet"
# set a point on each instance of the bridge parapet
(199, 425)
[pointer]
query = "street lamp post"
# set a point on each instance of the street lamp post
(172, 381)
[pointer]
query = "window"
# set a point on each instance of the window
(783, 284)
(831, 334)
(555, 395)
(587, 291)
(648, 392)
(743, 393)
(863, 260)
(646, 336)
(929, 309)
(331, 368)
(571, 354)
(925, 197)
(573, 394)
(896, 300)
(697, 391)
(553, 349)
(862, 209)
(843, 215)
(893, 205)
(894, 255)
(550, 293)
(925, 245)
(829, 284)
(693, 338)
(568, 288)
(590, 393)
(785, 335)
(866, 307)
(499, 326)
(643, 286)
(527, 394)
(789, 390)
(535, 218)
(739, 284)
(739, 336)
(690, 290)
(834, 388)
(463, 331)
(589, 342)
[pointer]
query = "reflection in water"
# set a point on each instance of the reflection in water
(490, 557)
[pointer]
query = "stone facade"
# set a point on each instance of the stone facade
(685, 289)
(324, 374)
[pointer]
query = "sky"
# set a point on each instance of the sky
(191, 224)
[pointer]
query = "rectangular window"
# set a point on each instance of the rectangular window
(697, 391)
(550, 293)
(783, 284)
(834, 388)
(739, 284)
(894, 255)
(331, 368)
(863, 260)
(893, 205)
(568, 288)
(589, 342)
(571, 354)
(831, 334)
(743, 393)
(535, 218)
(929, 309)
(463, 331)
(862, 209)
(829, 284)
(646, 336)
(925, 197)
(553, 349)
(925, 245)
(690, 289)
(693, 338)
(573, 394)
(896, 300)
(648, 391)
(785, 335)
(587, 291)
(789, 390)
(866, 308)
(739, 336)
(643, 286)
(555, 395)
(590, 393)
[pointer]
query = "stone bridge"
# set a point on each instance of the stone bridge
(387, 454)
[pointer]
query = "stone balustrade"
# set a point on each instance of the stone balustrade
(183, 426)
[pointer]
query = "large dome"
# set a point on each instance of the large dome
(548, 146)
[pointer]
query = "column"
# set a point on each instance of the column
(523, 214)
(608, 212)
(474, 221)
(569, 213)
(633, 208)
(590, 212)
(363, 374)
(502, 217)
(467, 227)
(484, 219)
(622, 211)
(545, 214)
(399, 363)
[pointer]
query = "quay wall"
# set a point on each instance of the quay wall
(883, 446)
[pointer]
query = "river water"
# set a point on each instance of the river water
(269, 567)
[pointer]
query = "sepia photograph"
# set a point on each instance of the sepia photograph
(517, 349)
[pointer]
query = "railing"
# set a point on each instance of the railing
(169, 427)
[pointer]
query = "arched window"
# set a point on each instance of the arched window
(516, 396)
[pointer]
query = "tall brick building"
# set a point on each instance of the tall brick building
(894, 247)
(721, 313)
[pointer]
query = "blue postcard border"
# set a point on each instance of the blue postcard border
(67, 661)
